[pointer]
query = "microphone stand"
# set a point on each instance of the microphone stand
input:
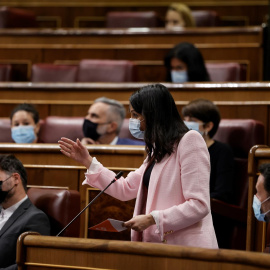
(101, 192)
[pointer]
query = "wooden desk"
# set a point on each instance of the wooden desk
(47, 252)
(49, 154)
(256, 231)
(146, 47)
(90, 13)
(85, 93)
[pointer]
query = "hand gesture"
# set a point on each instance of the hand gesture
(76, 151)
(140, 223)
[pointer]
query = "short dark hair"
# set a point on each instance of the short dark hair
(204, 110)
(164, 126)
(192, 57)
(28, 108)
(10, 164)
(264, 169)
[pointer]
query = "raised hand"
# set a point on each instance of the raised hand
(76, 151)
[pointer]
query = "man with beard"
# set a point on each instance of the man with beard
(261, 200)
(103, 123)
(17, 213)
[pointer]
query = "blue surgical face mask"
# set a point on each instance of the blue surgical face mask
(179, 76)
(192, 125)
(257, 208)
(134, 128)
(23, 134)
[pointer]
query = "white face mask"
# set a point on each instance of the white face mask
(179, 76)
(192, 125)
(257, 208)
(23, 134)
(134, 128)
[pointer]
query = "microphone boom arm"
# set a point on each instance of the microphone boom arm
(101, 192)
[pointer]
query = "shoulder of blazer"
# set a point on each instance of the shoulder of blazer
(26, 204)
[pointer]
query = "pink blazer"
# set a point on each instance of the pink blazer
(178, 189)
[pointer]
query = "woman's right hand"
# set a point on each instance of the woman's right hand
(76, 151)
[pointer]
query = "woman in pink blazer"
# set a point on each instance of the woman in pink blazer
(171, 186)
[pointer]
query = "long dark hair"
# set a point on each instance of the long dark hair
(164, 126)
(192, 57)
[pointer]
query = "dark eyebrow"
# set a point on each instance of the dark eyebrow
(94, 114)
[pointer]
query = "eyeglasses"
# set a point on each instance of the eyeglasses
(1, 182)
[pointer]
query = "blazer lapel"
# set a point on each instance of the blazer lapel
(19, 211)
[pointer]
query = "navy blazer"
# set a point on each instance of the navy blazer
(26, 218)
(127, 141)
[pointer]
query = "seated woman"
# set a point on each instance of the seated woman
(185, 63)
(202, 115)
(178, 15)
(24, 124)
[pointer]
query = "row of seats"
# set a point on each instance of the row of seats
(21, 18)
(85, 71)
(241, 134)
(113, 71)
(235, 132)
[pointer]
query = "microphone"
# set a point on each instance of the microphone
(101, 192)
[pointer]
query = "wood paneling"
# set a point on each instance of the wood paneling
(106, 207)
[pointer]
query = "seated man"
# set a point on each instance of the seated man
(17, 213)
(261, 200)
(103, 122)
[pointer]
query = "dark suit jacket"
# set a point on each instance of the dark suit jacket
(26, 218)
(127, 141)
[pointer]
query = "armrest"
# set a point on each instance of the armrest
(230, 211)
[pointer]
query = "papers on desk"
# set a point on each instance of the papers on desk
(109, 225)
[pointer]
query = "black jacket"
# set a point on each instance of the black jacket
(26, 218)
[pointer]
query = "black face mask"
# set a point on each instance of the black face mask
(3, 194)
(90, 130)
